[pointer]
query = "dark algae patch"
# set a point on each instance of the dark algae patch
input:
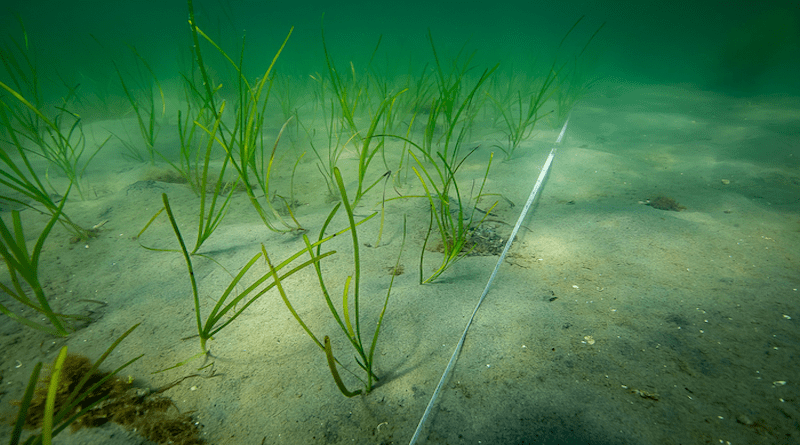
(665, 203)
(148, 412)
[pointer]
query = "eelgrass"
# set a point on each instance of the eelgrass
(243, 141)
(521, 112)
(455, 105)
(25, 188)
(452, 213)
(69, 409)
(198, 128)
(144, 107)
(415, 103)
(353, 95)
(215, 193)
(367, 151)
(289, 91)
(23, 267)
(229, 306)
(328, 160)
(210, 214)
(19, 62)
(58, 135)
(451, 216)
(64, 150)
(573, 84)
(350, 324)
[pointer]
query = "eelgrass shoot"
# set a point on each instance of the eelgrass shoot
(521, 113)
(63, 408)
(349, 322)
(212, 210)
(58, 136)
(198, 126)
(573, 84)
(455, 106)
(229, 305)
(243, 142)
(336, 142)
(64, 150)
(22, 181)
(352, 95)
(144, 107)
(23, 267)
(23, 121)
(451, 216)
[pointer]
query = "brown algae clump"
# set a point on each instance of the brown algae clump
(665, 203)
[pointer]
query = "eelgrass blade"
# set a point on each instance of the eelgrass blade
(435, 216)
(334, 372)
(33, 188)
(206, 331)
(216, 313)
(356, 254)
(322, 286)
(30, 106)
(261, 292)
(207, 224)
(315, 259)
(374, 343)
(26, 322)
(183, 362)
(37, 249)
(294, 313)
(189, 266)
(141, 232)
(53, 422)
(149, 139)
(50, 418)
(25, 404)
(346, 308)
(78, 394)
(286, 301)
(14, 253)
(266, 182)
(20, 261)
(50, 402)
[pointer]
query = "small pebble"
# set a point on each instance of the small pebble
(744, 420)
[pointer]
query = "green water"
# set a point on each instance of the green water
(747, 49)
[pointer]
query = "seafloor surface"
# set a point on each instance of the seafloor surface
(611, 321)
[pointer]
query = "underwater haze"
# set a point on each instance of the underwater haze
(746, 48)
(276, 222)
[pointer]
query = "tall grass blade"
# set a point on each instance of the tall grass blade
(335, 372)
(20, 262)
(25, 404)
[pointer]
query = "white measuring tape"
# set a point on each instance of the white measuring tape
(454, 357)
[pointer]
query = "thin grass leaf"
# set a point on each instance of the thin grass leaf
(335, 373)
(50, 402)
(25, 404)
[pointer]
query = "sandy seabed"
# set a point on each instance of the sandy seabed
(610, 322)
